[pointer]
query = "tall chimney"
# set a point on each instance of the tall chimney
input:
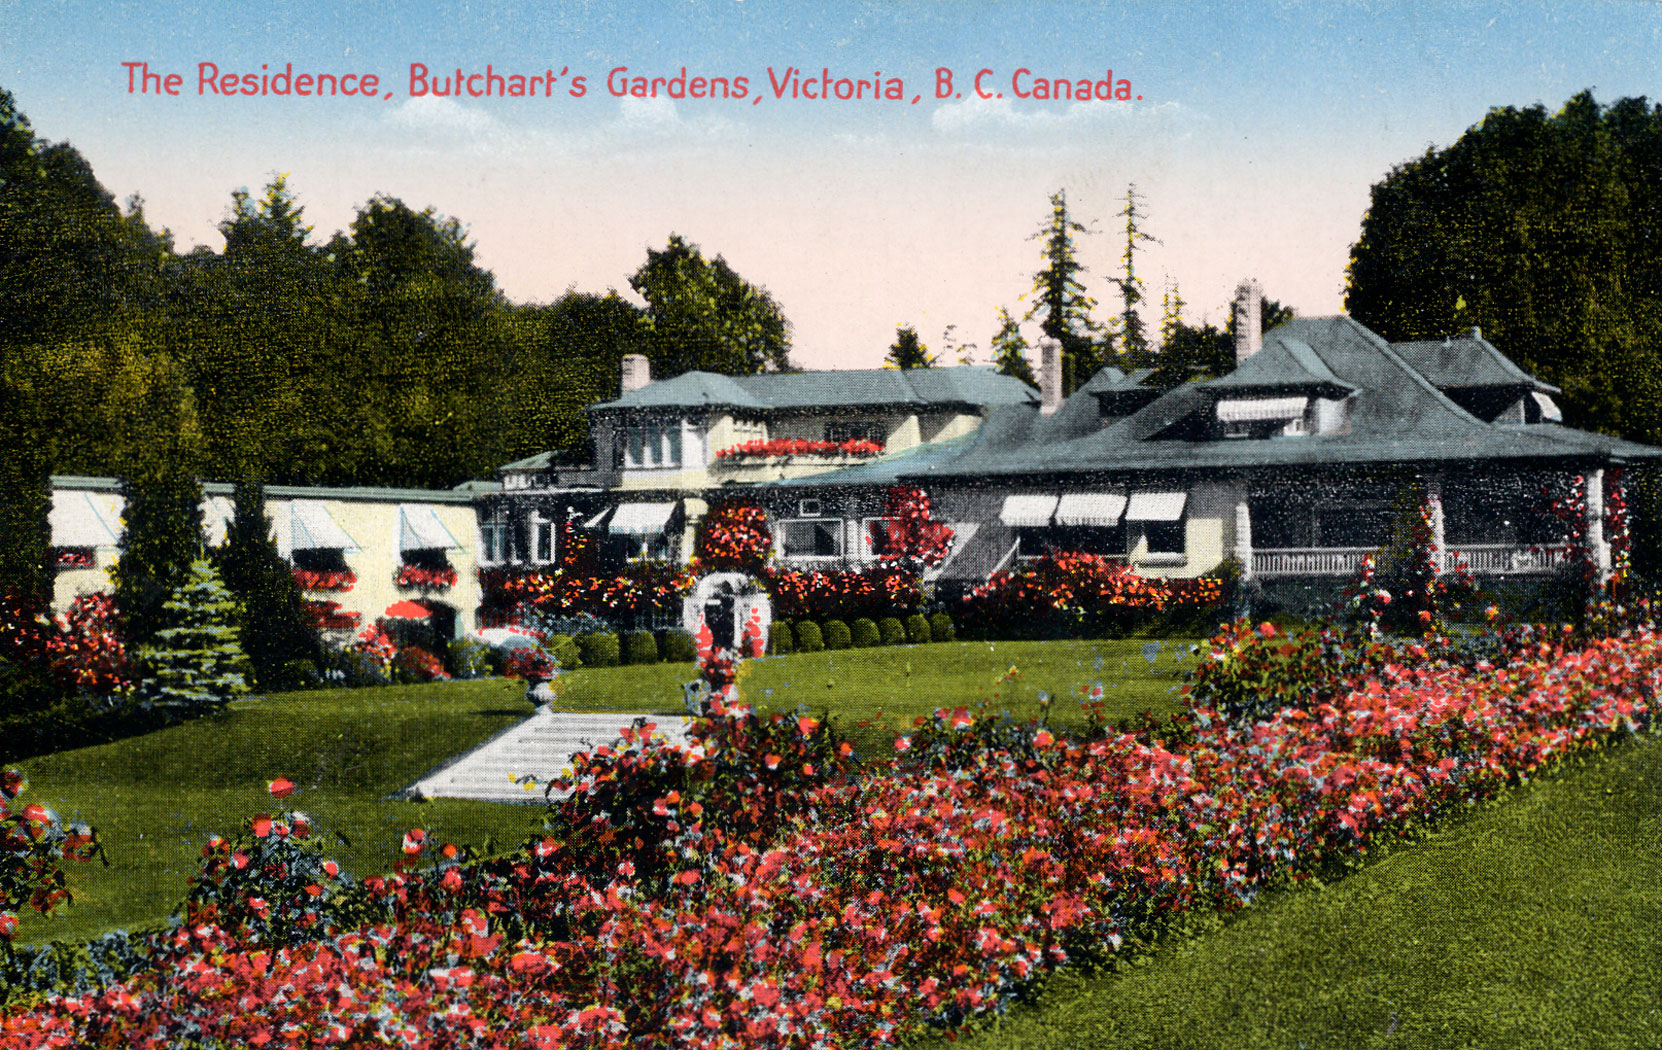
(637, 372)
(1050, 375)
(1249, 322)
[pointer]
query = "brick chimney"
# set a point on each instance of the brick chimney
(637, 372)
(1050, 375)
(1249, 330)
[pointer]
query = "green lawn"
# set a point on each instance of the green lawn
(155, 798)
(899, 683)
(1535, 922)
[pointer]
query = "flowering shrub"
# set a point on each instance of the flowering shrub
(533, 664)
(1595, 605)
(325, 579)
(1401, 589)
(511, 597)
(425, 577)
(415, 664)
(734, 537)
(87, 651)
(750, 889)
(1067, 593)
(800, 447)
(377, 647)
(874, 592)
(270, 886)
(32, 843)
(913, 539)
(328, 616)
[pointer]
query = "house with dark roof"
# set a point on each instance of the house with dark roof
(663, 451)
(1295, 464)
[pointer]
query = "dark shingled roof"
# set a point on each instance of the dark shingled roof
(1466, 363)
(1397, 415)
(977, 386)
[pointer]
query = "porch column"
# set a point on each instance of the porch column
(1434, 499)
(1597, 547)
(1243, 535)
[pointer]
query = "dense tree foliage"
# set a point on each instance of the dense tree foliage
(1544, 230)
(383, 354)
(270, 618)
(703, 316)
(1010, 350)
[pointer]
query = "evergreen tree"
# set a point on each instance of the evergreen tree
(908, 351)
(162, 520)
(1059, 300)
(25, 495)
(195, 662)
(272, 621)
(1133, 341)
(1010, 350)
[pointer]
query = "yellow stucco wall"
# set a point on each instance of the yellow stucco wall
(1209, 515)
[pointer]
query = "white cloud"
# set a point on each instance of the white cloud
(651, 113)
(441, 114)
(979, 115)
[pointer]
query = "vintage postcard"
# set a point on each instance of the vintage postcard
(746, 523)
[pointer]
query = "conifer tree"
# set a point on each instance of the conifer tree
(195, 662)
(1010, 350)
(1059, 300)
(908, 350)
(25, 497)
(1133, 340)
(272, 618)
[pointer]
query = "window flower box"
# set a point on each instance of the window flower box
(780, 447)
(425, 577)
(74, 557)
(325, 579)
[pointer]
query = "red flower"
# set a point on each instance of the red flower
(282, 787)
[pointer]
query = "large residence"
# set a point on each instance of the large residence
(1294, 465)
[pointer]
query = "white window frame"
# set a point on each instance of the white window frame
(834, 526)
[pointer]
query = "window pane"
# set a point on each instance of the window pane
(672, 446)
(1166, 537)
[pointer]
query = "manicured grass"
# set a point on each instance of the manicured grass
(900, 683)
(1534, 922)
(157, 797)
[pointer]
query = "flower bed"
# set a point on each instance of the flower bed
(566, 593)
(750, 890)
(847, 593)
(799, 447)
(74, 557)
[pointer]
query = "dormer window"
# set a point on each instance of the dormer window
(1264, 417)
(843, 431)
(650, 446)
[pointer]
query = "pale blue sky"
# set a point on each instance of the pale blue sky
(1260, 131)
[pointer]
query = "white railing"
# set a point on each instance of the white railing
(1482, 559)
(1491, 559)
(1309, 561)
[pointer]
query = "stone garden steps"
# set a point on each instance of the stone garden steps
(517, 764)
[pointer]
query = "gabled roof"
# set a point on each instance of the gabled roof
(977, 386)
(1466, 363)
(1396, 415)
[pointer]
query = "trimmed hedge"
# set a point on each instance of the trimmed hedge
(837, 635)
(678, 647)
(640, 647)
(941, 629)
(891, 631)
(808, 637)
(564, 648)
(780, 638)
(863, 633)
(599, 649)
(917, 629)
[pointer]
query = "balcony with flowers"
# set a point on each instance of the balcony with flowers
(425, 577)
(773, 459)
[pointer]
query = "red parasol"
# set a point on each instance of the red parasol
(406, 610)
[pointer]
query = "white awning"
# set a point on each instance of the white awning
(641, 519)
(1261, 409)
(1090, 508)
(594, 522)
(313, 528)
(1028, 510)
(78, 520)
(1156, 506)
(217, 512)
(419, 529)
(1548, 407)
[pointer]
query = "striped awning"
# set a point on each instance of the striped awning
(1028, 510)
(419, 529)
(1261, 409)
(641, 519)
(313, 528)
(1156, 506)
(1090, 508)
(80, 520)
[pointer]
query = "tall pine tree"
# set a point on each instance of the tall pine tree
(1060, 304)
(1010, 350)
(1134, 347)
(908, 351)
(272, 620)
